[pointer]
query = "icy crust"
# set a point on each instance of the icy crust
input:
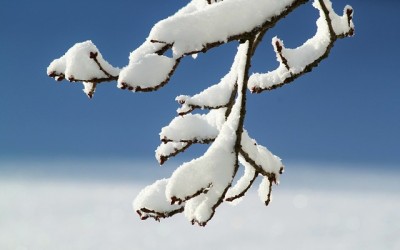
(191, 31)
(193, 127)
(151, 202)
(78, 64)
(293, 62)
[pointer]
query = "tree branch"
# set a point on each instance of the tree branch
(286, 72)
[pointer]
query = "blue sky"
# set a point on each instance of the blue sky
(346, 110)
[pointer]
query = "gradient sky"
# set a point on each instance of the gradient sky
(346, 110)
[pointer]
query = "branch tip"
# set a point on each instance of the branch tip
(93, 55)
(123, 86)
(278, 46)
(52, 74)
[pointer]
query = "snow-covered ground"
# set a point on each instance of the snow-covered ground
(314, 208)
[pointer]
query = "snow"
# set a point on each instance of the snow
(200, 185)
(168, 149)
(321, 207)
(153, 198)
(299, 58)
(269, 162)
(264, 190)
(215, 96)
(148, 72)
(190, 31)
(244, 182)
(146, 68)
(202, 182)
(194, 127)
(77, 63)
(89, 88)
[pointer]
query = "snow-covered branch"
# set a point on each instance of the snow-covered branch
(83, 63)
(152, 203)
(202, 184)
(295, 62)
(198, 187)
(195, 28)
(244, 183)
(170, 149)
(194, 128)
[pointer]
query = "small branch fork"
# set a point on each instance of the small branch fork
(93, 56)
(94, 81)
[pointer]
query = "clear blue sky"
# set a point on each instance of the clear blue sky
(346, 110)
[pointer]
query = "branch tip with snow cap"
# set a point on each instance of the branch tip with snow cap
(152, 203)
(83, 63)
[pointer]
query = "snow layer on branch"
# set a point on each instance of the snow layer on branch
(152, 202)
(243, 183)
(193, 6)
(89, 88)
(200, 208)
(294, 61)
(214, 168)
(194, 127)
(148, 72)
(264, 191)
(203, 182)
(261, 156)
(215, 96)
(191, 31)
(340, 24)
(77, 63)
(146, 68)
(166, 150)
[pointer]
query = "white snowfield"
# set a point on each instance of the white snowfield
(342, 208)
